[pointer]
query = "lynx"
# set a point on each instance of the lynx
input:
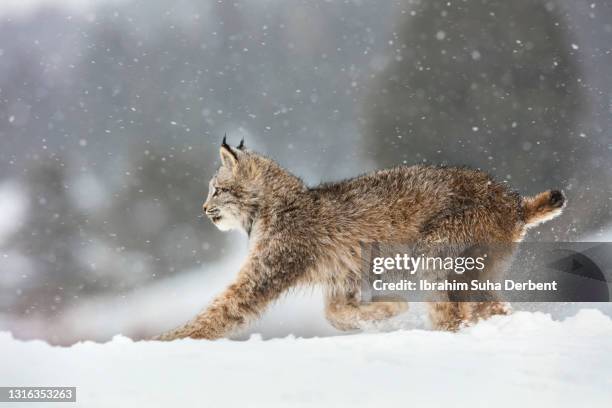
(300, 235)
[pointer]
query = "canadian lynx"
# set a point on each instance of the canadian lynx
(300, 235)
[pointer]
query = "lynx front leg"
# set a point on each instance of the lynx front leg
(344, 311)
(242, 301)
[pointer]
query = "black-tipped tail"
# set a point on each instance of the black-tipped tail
(542, 207)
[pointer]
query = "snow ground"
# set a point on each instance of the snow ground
(562, 358)
(527, 359)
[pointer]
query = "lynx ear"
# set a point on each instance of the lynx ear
(228, 156)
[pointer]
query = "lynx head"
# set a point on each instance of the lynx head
(231, 190)
(241, 186)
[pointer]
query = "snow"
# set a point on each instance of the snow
(525, 359)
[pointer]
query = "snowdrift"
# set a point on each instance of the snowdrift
(526, 359)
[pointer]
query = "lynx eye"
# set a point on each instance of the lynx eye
(219, 190)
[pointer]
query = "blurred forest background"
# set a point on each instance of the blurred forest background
(111, 114)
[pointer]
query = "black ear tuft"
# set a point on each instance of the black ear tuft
(228, 155)
(241, 145)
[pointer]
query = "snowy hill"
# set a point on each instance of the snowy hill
(527, 359)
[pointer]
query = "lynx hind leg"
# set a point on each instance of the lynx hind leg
(463, 309)
(449, 316)
(459, 311)
(344, 311)
(484, 310)
(496, 263)
(452, 316)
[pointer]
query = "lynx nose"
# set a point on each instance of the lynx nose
(212, 211)
(209, 210)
